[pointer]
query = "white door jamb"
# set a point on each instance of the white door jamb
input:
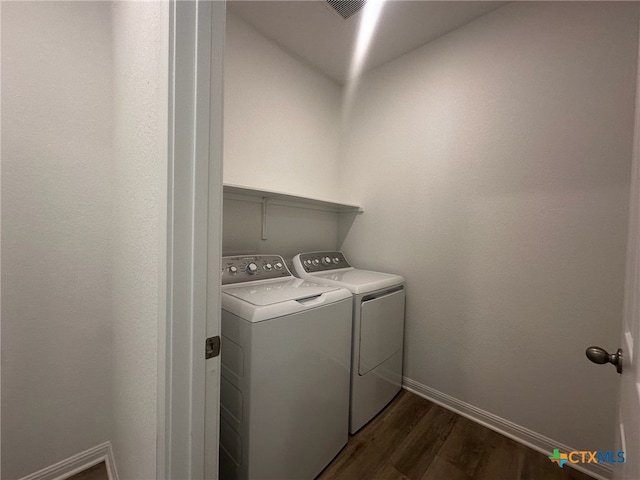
(181, 372)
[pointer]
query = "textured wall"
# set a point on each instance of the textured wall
(84, 94)
(140, 33)
(281, 129)
(56, 288)
(502, 154)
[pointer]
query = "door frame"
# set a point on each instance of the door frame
(194, 175)
(627, 433)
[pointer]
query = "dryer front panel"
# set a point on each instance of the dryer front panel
(381, 329)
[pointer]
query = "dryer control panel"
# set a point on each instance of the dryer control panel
(248, 268)
(323, 261)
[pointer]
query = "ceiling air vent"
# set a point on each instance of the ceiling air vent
(346, 8)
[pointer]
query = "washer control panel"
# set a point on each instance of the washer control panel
(247, 268)
(323, 261)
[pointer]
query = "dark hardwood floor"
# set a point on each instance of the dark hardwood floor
(97, 472)
(414, 439)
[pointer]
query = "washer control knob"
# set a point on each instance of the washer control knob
(336, 260)
(252, 268)
(315, 262)
(278, 266)
(307, 262)
(233, 269)
(326, 260)
(267, 267)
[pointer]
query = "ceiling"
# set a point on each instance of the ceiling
(315, 33)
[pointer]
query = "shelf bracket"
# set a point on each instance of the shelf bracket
(265, 210)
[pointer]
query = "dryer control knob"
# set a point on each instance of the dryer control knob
(315, 262)
(267, 267)
(278, 266)
(233, 270)
(252, 268)
(326, 260)
(336, 260)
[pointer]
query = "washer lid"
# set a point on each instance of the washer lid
(270, 292)
(358, 281)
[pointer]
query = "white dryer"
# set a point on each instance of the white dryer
(285, 354)
(378, 329)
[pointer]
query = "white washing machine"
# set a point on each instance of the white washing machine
(378, 329)
(285, 352)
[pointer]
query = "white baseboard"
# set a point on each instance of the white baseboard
(78, 463)
(509, 429)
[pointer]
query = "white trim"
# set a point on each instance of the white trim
(628, 337)
(181, 442)
(78, 463)
(215, 124)
(292, 198)
(507, 428)
(281, 203)
(0, 255)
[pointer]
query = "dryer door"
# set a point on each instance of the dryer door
(381, 329)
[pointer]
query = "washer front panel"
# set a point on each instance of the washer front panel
(248, 268)
(284, 393)
(323, 261)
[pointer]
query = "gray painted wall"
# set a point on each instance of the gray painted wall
(505, 150)
(290, 229)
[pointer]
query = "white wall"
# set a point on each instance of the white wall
(56, 193)
(280, 133)
(501, 191)
(281, 118)
(84, 97)
(138, 228)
